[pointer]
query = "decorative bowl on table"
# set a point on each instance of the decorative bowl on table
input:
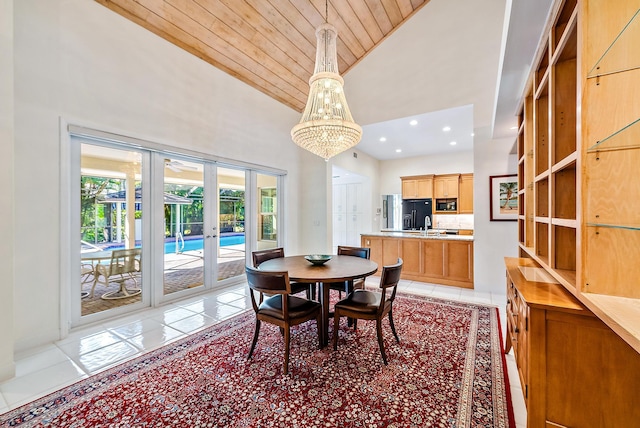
(318, 259)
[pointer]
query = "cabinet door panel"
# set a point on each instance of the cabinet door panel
(465, 199)
(433, 256)
(411, 255)
(425, 188)
(459, 260)
(339, 198)
(390, 252)
(446, 187)
(375, 246)
(409, 189)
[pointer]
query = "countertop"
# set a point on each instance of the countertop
(420, 235)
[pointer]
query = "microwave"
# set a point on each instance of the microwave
(446, 205)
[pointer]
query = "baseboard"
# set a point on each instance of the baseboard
(7, 371)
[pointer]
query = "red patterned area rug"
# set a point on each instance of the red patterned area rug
(447, 371)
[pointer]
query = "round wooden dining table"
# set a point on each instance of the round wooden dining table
(338, 269)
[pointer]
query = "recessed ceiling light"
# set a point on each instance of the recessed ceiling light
(446, 129)
(383, 139)
(413, 122)
(514, 127)
(473, 134)
(453, 143)
(398, 150)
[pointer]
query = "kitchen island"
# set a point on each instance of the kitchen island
(434, 258)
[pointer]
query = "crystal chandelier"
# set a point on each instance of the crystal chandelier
(327, 127)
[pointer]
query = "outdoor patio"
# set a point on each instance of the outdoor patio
(182, 271)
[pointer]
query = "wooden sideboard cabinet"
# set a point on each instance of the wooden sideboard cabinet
(574, 370)
(578, 157)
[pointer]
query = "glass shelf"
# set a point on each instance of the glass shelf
(635, 227)
(622, 54)
(625, 138)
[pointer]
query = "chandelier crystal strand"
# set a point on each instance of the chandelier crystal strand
(327, 127)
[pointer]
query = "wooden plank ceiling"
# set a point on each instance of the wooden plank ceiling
(269, 44)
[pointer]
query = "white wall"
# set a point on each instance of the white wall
(77, 60)
(493, 240)
(7, 368)
(392, 170)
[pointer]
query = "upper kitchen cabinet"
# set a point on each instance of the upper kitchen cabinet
(465, 198)
(417, 187)
(446, 186)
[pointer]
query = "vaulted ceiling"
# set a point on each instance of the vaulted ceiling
(269, 44)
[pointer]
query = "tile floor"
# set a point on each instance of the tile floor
(89, 350)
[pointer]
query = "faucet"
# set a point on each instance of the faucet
(427, 223)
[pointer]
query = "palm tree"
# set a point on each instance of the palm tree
(508, 191)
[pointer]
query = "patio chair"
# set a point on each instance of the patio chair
(87, 273)
(124, 265)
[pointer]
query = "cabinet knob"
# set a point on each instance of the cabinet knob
(517, 330)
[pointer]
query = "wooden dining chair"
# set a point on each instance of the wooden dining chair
(281, 309)
(262, 256)
(368, 305)
(349, 286)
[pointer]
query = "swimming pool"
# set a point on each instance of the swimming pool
(193, 244)
(197, 244)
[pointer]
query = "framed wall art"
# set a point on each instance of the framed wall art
(503, 194)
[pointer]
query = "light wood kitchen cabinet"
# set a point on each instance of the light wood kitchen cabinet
(410, 249)
(417, 187)
(446, 186)
(374, 243)
(459, 260)
(574, 370)
(465, 197)
(433, 256)
(383, 250)
(435, 260)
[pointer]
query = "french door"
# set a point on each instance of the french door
(147, 226)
